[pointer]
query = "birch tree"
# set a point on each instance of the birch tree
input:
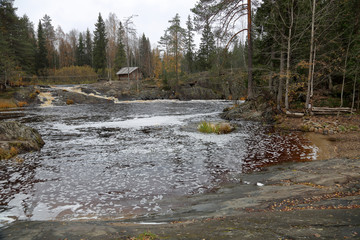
(228, 14)
(111, 26)
(130, 32)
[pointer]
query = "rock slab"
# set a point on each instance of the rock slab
(16, 138)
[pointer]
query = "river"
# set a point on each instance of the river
(128, 159)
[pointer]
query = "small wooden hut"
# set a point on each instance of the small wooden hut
(132, 72)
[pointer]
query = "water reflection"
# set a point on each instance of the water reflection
(120, 160)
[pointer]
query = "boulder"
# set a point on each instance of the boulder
(251, 110)
(16, 138)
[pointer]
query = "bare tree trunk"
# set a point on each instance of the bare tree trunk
(137, 82)
(330, 82)
(176, 60)
(128, 59)
(250, 51)
(307, 106)
(271, 72)
(288, 56)
(312, 73)
(354, 91)
(358, 105)
(344, 73)
(244, 57)
(5, 78)
(280, 89)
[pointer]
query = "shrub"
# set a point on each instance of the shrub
(75, 74)
(13, 151)
(6, 154)
(33, 95)
(69, 102)
(353, 128)
(22, 104)
(342, 128)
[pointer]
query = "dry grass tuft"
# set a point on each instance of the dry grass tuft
(220, 128)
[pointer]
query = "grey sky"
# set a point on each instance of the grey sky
(153, 15)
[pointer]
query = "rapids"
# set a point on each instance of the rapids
(127, 159)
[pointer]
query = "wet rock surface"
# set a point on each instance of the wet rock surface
(18, 138)
(312, 200)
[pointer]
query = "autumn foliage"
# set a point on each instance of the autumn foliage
(75, 74)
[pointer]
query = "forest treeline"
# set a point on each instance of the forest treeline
(301, 52)
(299, 47)
(29, 49)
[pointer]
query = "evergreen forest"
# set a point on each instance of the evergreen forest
(294, 52)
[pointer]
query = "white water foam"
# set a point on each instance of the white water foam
(135, 123)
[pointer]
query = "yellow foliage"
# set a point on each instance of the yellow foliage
(157, 63)
(4, 103)
(69, 102)
(13, 151)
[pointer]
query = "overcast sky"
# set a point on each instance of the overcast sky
(153, 15)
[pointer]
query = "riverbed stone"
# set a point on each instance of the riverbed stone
(16, 138)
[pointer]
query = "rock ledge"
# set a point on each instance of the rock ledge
(16, 138)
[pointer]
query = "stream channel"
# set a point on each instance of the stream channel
(131, 159)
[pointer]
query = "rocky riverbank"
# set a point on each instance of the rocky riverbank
(16, 138)
(257, 110)
(336, 136)
(311, 200)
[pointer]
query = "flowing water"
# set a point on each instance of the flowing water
(126, 159)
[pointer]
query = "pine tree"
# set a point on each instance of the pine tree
(8, 25)
(145, 55)
(41, 54)
(100, 43)
(189, 46)
(49, 35)
(26, 48)
(80, 51)
(17, 41)
(120, 58)
(88, 58)
(206, 52)
(173, 41)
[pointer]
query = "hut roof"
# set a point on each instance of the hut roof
(126, 70)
